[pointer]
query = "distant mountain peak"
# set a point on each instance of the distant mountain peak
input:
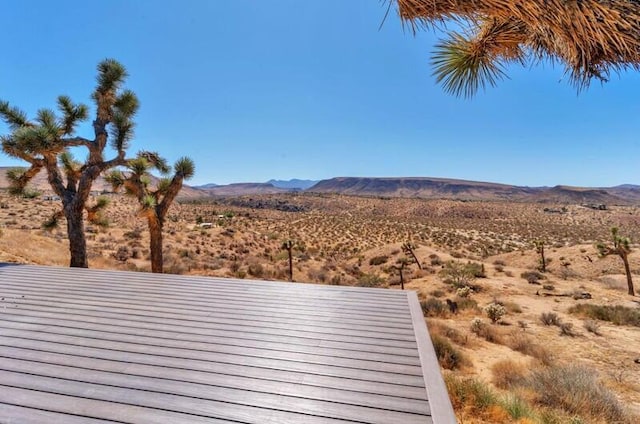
(293, 184)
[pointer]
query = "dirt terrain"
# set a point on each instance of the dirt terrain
(358, 241)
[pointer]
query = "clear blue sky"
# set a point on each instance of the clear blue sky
(260, 89)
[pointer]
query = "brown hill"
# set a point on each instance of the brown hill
(442, 188)
(420, 187)
(40, 183)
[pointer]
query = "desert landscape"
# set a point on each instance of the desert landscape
(504, 331)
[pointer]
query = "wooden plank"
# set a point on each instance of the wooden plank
(206, 316)
(216, 345)
(71, 406)
(397, 402)
(441, 408)
(144, 354)
(134, 363)
(14, 295)
(195, 406)
(341, 367)
(179, 281)
(273, 397)
(182, 333)
(12, 414)
(310, 306)
(214, 331)
(321, 292)
(322, 333)
(253, 308)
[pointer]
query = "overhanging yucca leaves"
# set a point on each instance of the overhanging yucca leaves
(462, 68)
(591, 38)
(185, 168)
(12, 116)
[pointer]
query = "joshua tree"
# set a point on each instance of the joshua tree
(44, 143)
(622, 247)
(288, 246)
(590, 38)
(401, 264)
(409, 249)
(539, 245)
(154, 201)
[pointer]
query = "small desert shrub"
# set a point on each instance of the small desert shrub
(370, 280)
(517, 408)
(448, 332)
(470, 394)
(438, 293)
(433, 307)
(513, 307)
(464, 291)
(122, 254)
(549, 287)
(550, 318)
(498, 268)
(523, 344)
(457, 274)
(467, 303)
(532, 277)
(487, 332)
(576, 390)
(495, 312)
(476, 269)
(378, 260)
(448, 356)
(566, 329)
(499, 262)
(619, 315)
(592, 326)
(256, 270)
(508, 374)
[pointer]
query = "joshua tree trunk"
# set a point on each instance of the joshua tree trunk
(77, 240)
(290, 265)
(401, 278)
(155, 233)
(627, 270)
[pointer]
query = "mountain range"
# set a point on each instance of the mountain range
(418, 187)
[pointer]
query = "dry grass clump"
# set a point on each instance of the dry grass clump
(618, 314)
(449, 357)
(550, 318)
(525, 345)
(592, 326)
(576, 390)
(432, 307)
(448, 332)
(507, 374)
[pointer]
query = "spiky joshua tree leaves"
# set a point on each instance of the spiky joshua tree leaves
(154, 201)
(590, 38)
(45, 143)
(620, 246)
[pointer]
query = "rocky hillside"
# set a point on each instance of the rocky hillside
(441, 188)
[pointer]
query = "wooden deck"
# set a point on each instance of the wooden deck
(93, 346)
